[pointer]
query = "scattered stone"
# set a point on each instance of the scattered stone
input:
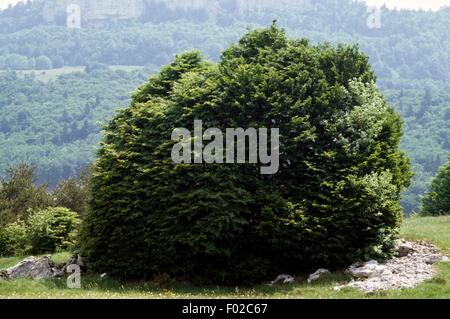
(434, 259)
(412, 266)
(283, 279)
(404, 248)
(366, 270)
(315, 276)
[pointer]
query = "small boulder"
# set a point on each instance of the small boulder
(315, 276)
(365, 270)
(283, 279)
(32, 267)
(433, 259)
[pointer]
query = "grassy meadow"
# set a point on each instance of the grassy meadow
(433, 229)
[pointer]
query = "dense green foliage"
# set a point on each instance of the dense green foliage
(334, 200)
(74, 193)
(13, 239)
(36, 220)
(52, 229)
(437, 202)
(46, 231)
(409, 54)
(20, 194)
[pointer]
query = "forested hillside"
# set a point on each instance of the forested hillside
(55, 124)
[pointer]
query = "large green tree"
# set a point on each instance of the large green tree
(334, 200)
(437, 201)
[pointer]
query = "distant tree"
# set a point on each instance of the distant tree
(19, 193)
(74, 193)
(437, 201)
(32, 63)
(43, 63)
(58, 62)
(16, 62)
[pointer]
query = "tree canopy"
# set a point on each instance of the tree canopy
(334, 200)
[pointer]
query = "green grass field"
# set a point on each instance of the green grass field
(435, 230)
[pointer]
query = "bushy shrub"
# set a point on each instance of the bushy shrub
(43, 63)
(46, 231)
(13, 239)
(334, 200)
(52, 229)
(437, 201)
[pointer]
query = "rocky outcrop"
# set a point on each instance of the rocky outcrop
(316, 276)
(366, 270)
(283, 279)
(413, 265)
(32, 267)
(39, 268)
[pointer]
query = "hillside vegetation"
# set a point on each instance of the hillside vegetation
(410, 54)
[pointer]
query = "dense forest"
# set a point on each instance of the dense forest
(55, 124)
